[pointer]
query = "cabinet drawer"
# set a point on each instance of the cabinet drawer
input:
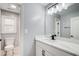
(42, 52)
(52, 50)
(38, 51)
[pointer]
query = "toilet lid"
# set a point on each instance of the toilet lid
(9, 47)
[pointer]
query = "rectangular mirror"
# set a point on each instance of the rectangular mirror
(64, 20)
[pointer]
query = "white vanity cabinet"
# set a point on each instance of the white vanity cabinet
(43, 49)
(42, 52)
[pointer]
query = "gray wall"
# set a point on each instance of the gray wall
(33, 17)
(50, 23)
(22, 30)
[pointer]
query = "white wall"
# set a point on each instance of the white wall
(50, 24)
(33, 17)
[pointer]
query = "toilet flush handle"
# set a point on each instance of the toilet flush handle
(0, 39)
(71, 36)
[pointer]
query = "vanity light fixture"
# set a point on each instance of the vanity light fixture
(58, 8)
(64, 5)
(54, 9)
(50, 11)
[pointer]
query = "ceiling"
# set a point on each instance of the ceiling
(7, 6)
(44, 4)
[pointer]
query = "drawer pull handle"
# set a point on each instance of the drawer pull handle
(43, 53)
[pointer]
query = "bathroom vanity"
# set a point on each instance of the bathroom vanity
(57, 47)
(64, 25)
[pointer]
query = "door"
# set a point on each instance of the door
(75, 27)
(57, 27)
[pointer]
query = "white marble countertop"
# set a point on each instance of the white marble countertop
(69, 47)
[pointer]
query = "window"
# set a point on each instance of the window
(9, 22)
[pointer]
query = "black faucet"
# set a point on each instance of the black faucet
(53, 37)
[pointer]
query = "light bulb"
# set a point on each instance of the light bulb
(13, 6)
(54, 10)
(64, 6)
(50, 12)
